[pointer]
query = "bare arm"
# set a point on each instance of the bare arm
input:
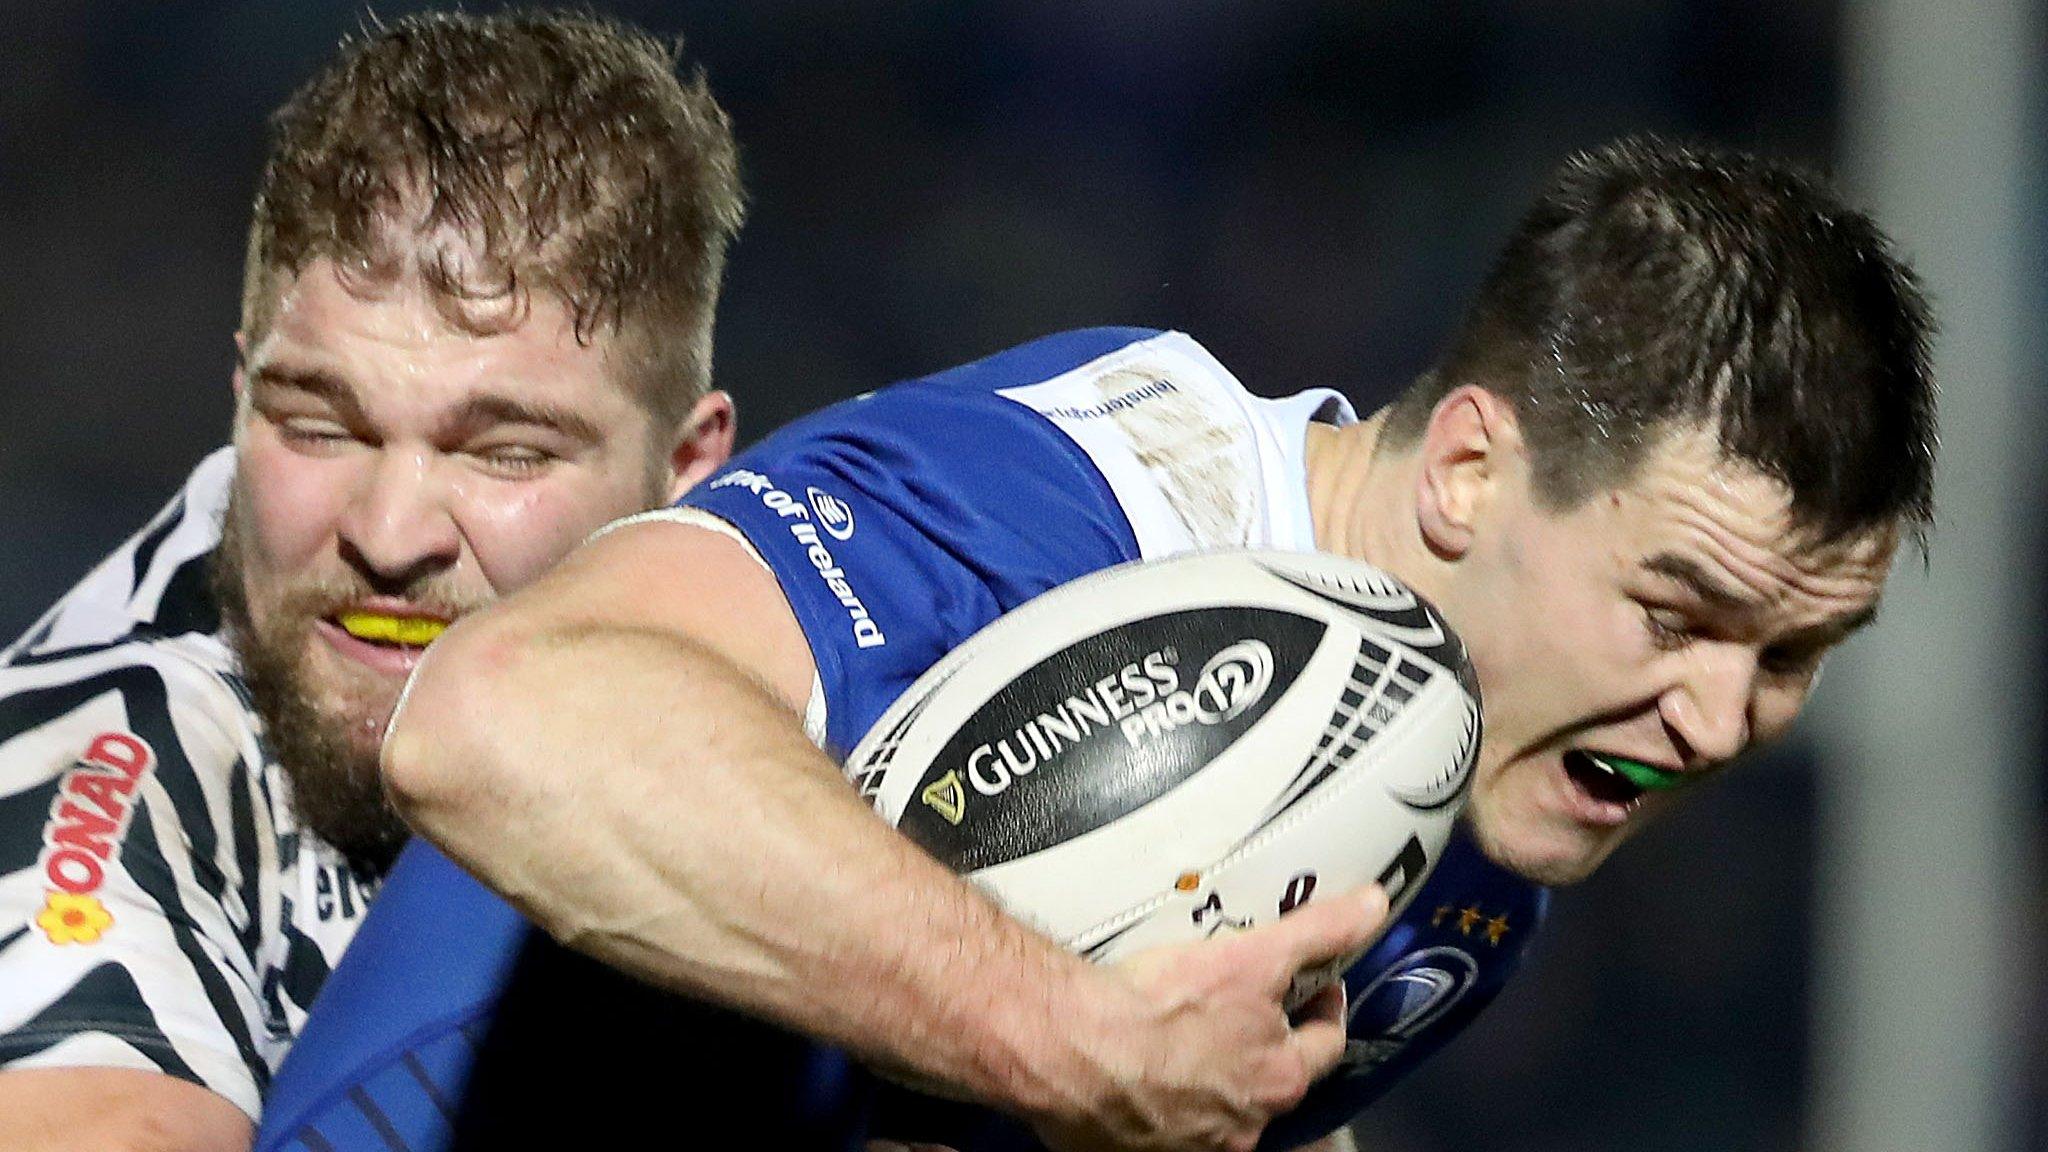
(115, 1110)
(617, 750)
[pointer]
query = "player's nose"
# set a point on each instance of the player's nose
(1710, 712)
(398, 525)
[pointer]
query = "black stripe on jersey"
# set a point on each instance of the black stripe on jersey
(311, 1138)
(35, 707)
(22, 817)
(360, 1097)
(8, 940)
(147, 866)
(241, 811)
(147, 700)
(24, 711)
(187, 604)
(27, 659)
(305, 968)
(149, 716)
(153, 538)
(426, 1082)
(233, 679)
(28, 643)
(104, 1000)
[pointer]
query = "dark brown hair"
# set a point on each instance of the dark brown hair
(1653, 286)
(499, 156)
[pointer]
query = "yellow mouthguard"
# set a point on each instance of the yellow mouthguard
(408, 630)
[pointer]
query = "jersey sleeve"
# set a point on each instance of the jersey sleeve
(155, 581)
(127, 859)
(391, 1045)
(900, 523)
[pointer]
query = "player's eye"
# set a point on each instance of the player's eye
(513, 459)
(312, 430)
(1789, 661)
(1667, 628)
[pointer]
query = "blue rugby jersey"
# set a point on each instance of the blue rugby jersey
(897, 525)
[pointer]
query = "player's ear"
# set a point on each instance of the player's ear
(1470, 435)
(703, 443)
(239, 381)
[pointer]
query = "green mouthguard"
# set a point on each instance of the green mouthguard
(1644, 776)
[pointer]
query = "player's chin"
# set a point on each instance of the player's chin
(353, 705)
(1550, 852)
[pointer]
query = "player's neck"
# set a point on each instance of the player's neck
(1355, 495)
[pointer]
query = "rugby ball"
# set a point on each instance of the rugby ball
(1166, 750)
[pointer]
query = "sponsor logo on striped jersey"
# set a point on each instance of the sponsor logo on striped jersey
(88, 820)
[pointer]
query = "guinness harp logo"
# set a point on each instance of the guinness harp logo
(947, 797)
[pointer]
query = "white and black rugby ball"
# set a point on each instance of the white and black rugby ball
(1165, 750)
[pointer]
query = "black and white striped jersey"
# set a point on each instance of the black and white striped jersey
(160, 908)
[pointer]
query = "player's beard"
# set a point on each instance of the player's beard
(329, 757)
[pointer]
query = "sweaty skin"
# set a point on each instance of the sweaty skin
(1685, 613)
(396, 470)
(688, 832)
(666, 814)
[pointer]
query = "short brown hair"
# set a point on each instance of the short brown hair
(1655, 285)
(496, 156)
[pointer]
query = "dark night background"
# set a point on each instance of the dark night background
(1309, 188)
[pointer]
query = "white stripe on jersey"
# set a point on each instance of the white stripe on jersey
(164, 924)
(1195, 461)
(226, 917)
(90, 1050)
(111, 601)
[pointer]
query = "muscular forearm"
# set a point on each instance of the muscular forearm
(114, 1110)
(624, 762)
(689, 834)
